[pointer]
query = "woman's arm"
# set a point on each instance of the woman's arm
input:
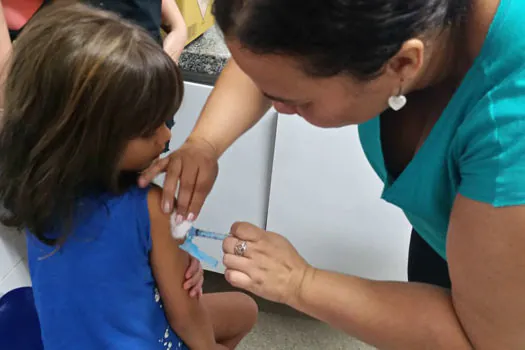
(388, 315)
(186, 315)
(484, 310)
(234, 106)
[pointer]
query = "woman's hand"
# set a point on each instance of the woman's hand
(195, 167)
(194, 278)
(270, 266)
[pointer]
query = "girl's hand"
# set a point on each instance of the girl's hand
(195, 166)
(194, 278)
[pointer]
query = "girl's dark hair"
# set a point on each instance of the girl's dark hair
(335, 36)
(81, 84)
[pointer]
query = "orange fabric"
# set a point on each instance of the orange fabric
(18, 12)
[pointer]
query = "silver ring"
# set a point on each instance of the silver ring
(240, 248)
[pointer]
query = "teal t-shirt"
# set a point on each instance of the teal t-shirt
(477, 146)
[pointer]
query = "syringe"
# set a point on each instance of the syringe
(192, 249)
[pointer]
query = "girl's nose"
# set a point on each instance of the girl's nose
(164, 134)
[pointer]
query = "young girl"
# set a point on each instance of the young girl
(86, 100)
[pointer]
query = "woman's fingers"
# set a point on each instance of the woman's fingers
(173, 173)
(191, 170)
(247, 232)
(270, 266)
(248, 274)
(229, 243)
(239, 263)
(188, 179)
(203, 185)
(152, 171)
(238, 279)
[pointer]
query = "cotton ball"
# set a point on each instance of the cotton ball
(181, 230)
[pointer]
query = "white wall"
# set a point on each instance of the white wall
(13, 260)
(326, 199)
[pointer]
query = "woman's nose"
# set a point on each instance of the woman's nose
(284, 108)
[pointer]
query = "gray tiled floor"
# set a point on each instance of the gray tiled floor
(280, 328)
(277, 332)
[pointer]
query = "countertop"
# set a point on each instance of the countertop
(203, 59)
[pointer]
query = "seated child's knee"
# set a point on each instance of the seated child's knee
(249, 307)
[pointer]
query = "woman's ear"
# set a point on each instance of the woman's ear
(407, 63)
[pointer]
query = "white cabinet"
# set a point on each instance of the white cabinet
(242, 188)
(312, 185)
(325, 199)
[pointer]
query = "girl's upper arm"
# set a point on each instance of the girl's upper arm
(168, 262)
(186, 315)
(485, 249)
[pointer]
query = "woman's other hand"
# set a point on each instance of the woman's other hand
(193, 168)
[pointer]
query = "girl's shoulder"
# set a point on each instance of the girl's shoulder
(121, 219)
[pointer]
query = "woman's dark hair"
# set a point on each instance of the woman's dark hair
(335, 36)
(81, 84)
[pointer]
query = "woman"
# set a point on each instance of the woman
(438, 90)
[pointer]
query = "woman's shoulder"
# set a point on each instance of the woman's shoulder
(489, 145)
(500, 103)
(489, 140)
(503, 51)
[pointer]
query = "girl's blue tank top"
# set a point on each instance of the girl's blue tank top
(97, 291)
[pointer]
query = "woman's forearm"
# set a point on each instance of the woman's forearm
(234, 106)
(388, 315)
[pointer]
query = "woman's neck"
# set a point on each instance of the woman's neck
(445, 60)
(452, 52)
